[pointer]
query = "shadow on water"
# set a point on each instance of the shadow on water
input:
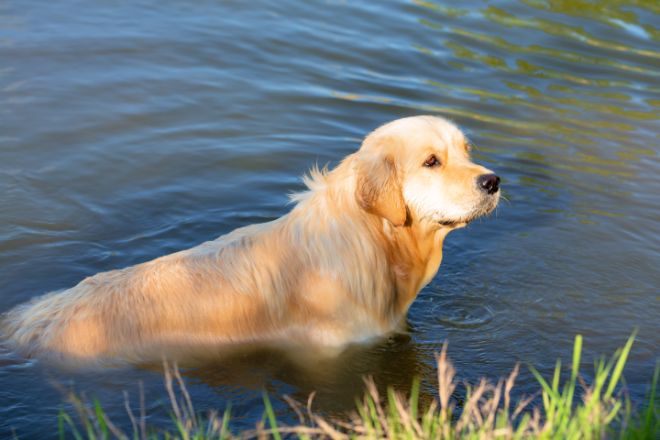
(336, 381)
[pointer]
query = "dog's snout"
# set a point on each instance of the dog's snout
(489, 183)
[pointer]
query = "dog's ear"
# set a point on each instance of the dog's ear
(378, 189)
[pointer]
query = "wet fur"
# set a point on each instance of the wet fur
(343, 266)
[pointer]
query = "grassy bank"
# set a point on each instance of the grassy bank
(569, 410)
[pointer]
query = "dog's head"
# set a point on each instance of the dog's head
(419, 169)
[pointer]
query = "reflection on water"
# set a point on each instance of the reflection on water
(335, 381)
(134, 129)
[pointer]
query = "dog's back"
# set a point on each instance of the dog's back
(179, 296)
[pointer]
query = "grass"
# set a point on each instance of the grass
(572, 410)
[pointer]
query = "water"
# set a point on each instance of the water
(129, 130)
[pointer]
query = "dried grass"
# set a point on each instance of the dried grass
(485, 414)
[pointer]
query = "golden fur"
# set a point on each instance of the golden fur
(343, 266)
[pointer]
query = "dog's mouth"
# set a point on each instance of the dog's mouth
(454, 224)
(480, 211)
(451, 223)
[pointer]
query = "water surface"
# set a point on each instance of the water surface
(133, 129)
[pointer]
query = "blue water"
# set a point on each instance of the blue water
(129, 130)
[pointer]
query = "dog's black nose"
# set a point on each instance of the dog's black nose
(489, 183)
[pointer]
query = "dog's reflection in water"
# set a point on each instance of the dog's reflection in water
(336, 379)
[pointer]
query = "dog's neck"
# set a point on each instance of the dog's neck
(415, 254)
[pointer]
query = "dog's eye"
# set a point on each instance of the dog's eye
(431, 161)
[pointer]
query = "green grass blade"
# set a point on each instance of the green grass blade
(618, 369)
(414, 398)
(372, 416)
(60, 425)
(183, 432)
(65, 418)
(544, 384)
(577, 353)
(650, 421)
(100, 416)
(224, 428)
(271, 417)
(555, 376)
(575, 369)
(393, 418)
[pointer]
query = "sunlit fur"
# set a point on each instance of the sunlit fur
(343, 266)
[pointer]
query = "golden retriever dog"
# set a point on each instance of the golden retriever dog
(342, 267)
